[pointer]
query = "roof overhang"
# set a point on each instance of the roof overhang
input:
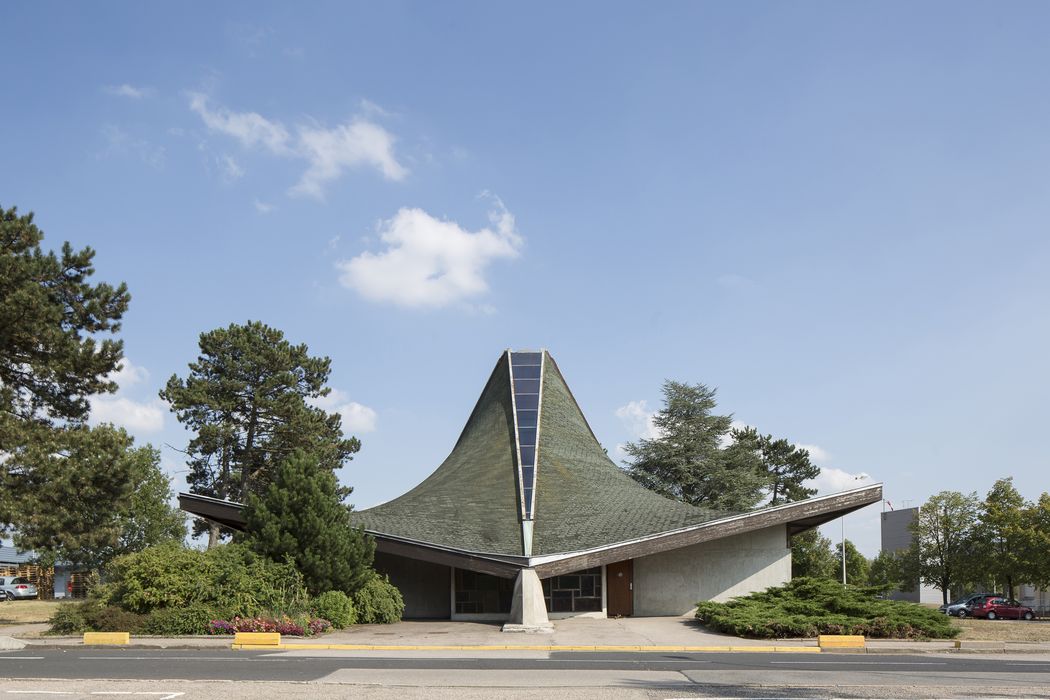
(227, 513)
(798, 517)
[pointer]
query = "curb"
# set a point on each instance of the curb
(529, 647)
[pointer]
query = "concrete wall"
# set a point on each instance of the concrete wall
(672, 582)
(426, 587)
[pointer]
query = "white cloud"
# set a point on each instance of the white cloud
(638, 419)
(128, 374)
(330, 151)
(231, 169)
(429, 262)
(125, 90)
(121, 143)
(249, 128)
(327, 152)
(817, 454)
(262, 207)
(356, 417)
(832, 480)
(136, 416)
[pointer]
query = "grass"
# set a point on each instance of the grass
(24, 612)
(1003, 630)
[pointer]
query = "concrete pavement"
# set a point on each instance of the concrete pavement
(638, 632)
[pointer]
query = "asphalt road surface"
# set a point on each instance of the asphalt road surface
(187, 674)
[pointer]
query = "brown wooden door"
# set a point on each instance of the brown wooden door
(620, 584)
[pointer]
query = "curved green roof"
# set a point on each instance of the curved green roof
(474, 501)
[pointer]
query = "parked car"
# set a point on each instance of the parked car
(1006, 608)
(961, 608)
(16, 588)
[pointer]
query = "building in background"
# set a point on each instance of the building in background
(59, 582)
(896, 536)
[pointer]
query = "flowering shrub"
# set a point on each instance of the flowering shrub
(221, 627)
(290, 627)
(319, 626)
(284, 625)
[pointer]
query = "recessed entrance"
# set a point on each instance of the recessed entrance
(620, 585)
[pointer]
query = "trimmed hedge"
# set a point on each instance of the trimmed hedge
(807, 607)
(378, 602)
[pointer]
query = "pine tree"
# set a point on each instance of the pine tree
(53, 355)
(300, 517)
(247, 399)
(787, 465)
(687, 461)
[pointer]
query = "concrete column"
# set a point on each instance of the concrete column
(528, 612)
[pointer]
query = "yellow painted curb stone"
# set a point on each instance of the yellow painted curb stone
(841, 641)
(107, 638)
(250, 640)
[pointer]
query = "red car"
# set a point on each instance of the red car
(1005, 608)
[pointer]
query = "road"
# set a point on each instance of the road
(185, 674)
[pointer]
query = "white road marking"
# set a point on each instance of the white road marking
(157, 658)
(864, 663)
(21, 657)
(165, 695)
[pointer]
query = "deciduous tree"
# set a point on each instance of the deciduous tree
(1003, 538)
(943, 538)
(88, 496)
(812, 555)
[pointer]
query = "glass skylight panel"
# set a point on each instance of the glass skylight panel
(527, 419)
(526, 369)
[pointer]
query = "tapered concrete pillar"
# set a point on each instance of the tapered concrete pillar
(528, 612)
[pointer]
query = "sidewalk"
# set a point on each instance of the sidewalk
(634, 634)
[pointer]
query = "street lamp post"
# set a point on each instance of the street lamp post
(842, 525)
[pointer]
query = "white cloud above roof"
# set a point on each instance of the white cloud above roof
(126, 90)
(328, 152)
(356, 417)
(430, 262)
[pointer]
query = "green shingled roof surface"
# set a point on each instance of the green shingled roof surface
(471, 501)
(583, 500)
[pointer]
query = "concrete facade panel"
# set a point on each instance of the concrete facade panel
(426, 587)
(671, 583)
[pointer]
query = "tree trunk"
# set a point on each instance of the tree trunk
(249, 444)
(213, 535)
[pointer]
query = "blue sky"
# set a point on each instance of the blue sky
(836, 213)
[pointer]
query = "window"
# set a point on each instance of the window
(580, 591)
(481, 593)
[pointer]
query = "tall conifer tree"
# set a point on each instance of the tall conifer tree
(300, 516)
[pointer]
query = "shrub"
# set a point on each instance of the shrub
(192, 619)
(807, 607)
(68, 619)
(114, 619)
(229, 578)
(336, 607)
(378, 601)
